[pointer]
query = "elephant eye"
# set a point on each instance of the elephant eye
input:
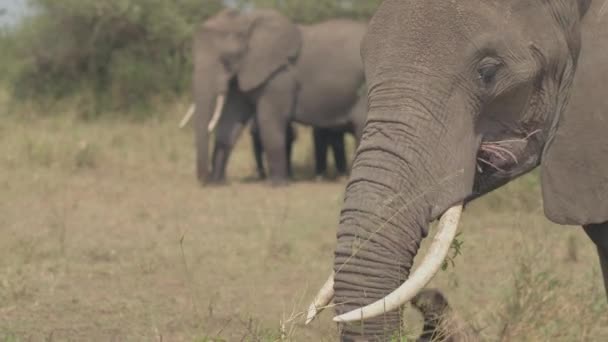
(487, 70)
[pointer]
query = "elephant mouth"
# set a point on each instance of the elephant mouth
(503, 156)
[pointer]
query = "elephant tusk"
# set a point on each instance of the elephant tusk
(217, 113)
(448, 225)
(187, 117)
(324, 297)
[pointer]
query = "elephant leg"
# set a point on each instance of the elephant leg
(219, 158)
(275, 105)
(225, 140)
(320, 144)
(258, 150)
(337, 144)
(599, 235)
(290, 139)
(274, 142)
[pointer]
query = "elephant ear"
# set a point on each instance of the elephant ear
(583, 6)
(574, 171)
(274, 41)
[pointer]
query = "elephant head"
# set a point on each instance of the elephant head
(463, 97)
(234, 54)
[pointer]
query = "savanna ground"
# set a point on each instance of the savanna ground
(106, 235)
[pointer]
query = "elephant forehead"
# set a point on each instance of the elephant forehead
(225, 19)
(423, 32)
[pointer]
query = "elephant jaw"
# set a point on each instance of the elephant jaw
(448, 226)
(504, 155)
(503, 159)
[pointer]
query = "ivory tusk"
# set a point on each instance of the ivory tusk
(217, 113)
(187, 117)
(448, 225)
(324, 297)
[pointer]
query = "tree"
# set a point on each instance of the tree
(308, 11)
(122, 50)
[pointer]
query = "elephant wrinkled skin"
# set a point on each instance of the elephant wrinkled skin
(465, 96)
(266, 66)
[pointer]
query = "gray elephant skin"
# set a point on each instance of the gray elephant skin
(323, 139)
(465, 96)
(260, 63)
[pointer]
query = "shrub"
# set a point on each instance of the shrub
(125, 51)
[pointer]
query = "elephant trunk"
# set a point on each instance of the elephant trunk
(403, 177)
(210, 90)
(201, 121)
(208, 109)
(375, 251)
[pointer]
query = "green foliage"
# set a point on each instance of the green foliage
(119, 55)
(307, 11)
(124, 51)
(456, 248)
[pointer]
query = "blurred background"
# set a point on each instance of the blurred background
(105, 233)
(120, 54)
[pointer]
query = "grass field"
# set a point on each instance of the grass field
(105, 235)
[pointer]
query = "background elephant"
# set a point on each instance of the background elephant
(258, 149)
(260, 63)
(323, 139)
(465, 96)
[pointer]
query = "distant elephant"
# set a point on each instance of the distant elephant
(465, 96)
(323, 138)
(441, 323)
(261, 64)
(258, 149)
(334, 137)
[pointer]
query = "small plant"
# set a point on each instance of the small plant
(456, 248)
(39, 153)
(572, 249)
(9, 338)
(86, 156)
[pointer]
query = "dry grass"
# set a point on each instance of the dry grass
(107, 236)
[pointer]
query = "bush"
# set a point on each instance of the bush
(118, 55)
(125, 51)
(307, 11)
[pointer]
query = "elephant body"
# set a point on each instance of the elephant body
(258, 149)
(323, 139)
(465, 96)
(329, 91)
(267, 67)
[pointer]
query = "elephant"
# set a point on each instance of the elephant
(441, 323)
(258, 149)
(323, 138)
(464, 97)
(260, 64)
(334, 138)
